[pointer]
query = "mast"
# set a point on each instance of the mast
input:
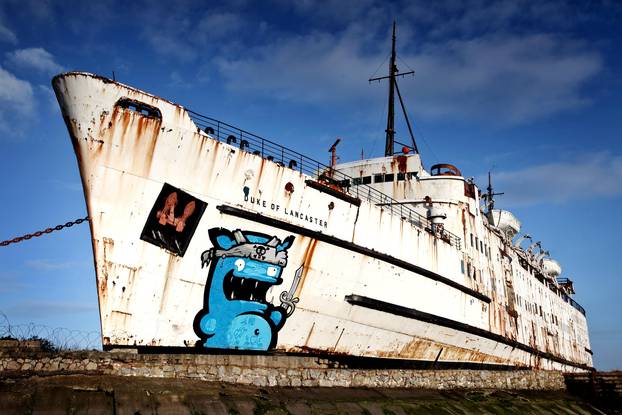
(490, 194)
(390, 138)
(392, 77)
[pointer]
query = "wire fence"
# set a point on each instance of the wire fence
(55, 338)
(286, 157)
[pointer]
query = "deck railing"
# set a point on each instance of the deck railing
(286, 157)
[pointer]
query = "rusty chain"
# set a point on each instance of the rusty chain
(43, 232)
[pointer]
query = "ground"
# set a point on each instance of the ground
(95, 394)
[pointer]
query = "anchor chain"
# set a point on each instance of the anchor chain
(43, 232)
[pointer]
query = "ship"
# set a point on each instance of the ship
(207, 237)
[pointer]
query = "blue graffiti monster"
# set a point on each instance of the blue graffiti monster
(243, 266)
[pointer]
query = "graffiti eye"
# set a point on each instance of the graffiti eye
(240, 264)
(271, 271)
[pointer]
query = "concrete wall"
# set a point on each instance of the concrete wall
(268, 370)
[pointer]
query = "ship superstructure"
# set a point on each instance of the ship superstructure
(208, 236)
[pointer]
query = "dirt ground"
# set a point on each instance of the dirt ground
(91, 394)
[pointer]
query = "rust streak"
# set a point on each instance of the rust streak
(402, 163)
(309, 335)
(167, 276)
(308, 257)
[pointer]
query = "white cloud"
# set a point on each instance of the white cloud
(47, 94)
(34, 58)
(581, 178)
(317, 67)
(169, 33)
(41, 308)
(11, 282)
(7, 35)
(16, 101)
(178, 80)
(72, 186)
(218, 25)
(503, 78)
(190, 36)
(47, 265)
(507, 79)
(330, 10)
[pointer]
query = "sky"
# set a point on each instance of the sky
(529, 90)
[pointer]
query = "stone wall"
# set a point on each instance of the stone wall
(268, 370)
(603, 389)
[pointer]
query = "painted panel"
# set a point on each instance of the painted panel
(173, 219)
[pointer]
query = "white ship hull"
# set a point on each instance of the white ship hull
(372, 283)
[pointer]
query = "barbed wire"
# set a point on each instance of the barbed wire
(43, 232)
(61, 338)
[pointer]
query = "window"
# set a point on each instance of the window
(139, 107)
(378, 178)
(388, 177)
(471, 240)
(401, 177)
(366, 180)
(462, 266)
(481, 247)
(357, 180)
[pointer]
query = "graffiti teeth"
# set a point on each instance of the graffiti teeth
(245, 289)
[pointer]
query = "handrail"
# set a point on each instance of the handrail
(286, 157)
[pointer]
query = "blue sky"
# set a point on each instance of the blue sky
(529, 90)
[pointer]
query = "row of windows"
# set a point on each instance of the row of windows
(383, 178)
(536, 309)
(483, 248)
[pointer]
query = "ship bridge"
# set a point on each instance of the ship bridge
(404, 178)
(438, 194)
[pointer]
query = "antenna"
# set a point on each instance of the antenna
(393, 74)
(489, 196)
